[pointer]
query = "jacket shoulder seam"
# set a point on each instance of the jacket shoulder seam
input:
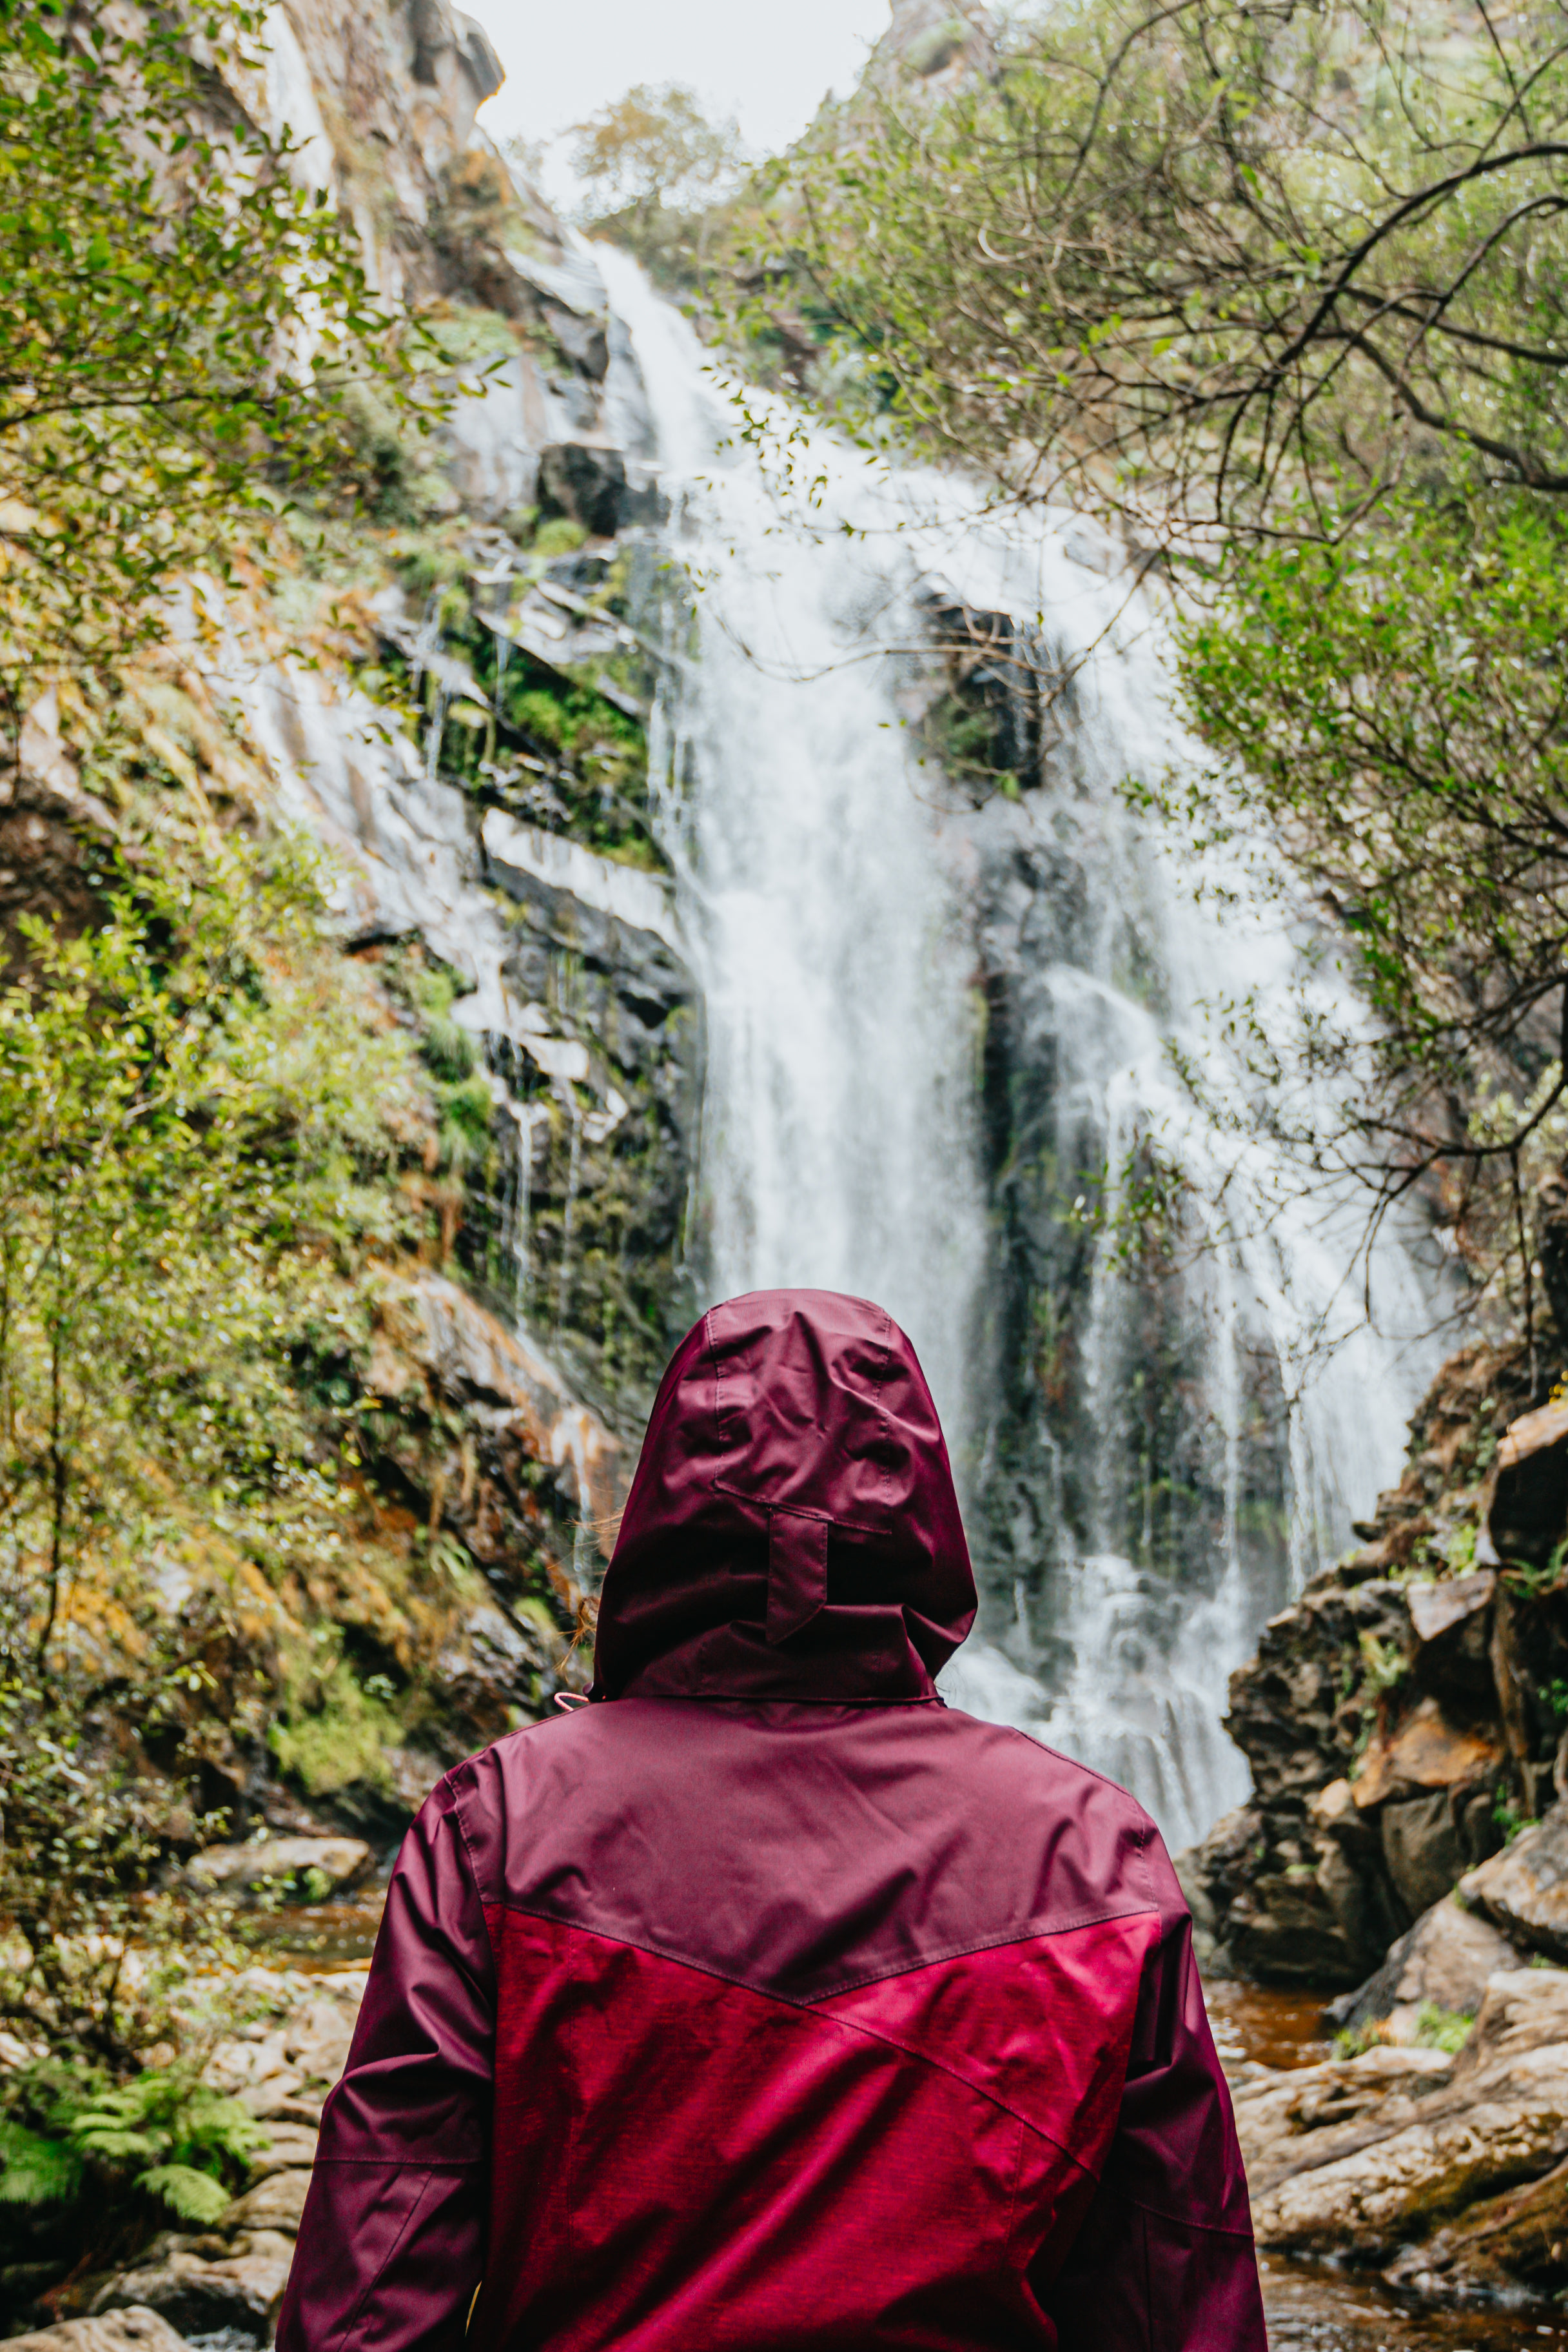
(1028, 1935)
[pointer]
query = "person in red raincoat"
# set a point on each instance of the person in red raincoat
(765, 2004)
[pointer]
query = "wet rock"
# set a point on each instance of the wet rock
(1421, 1846)
(282, 2073)
(1284, 1929)
(1452, 1624)
(1519, 2240)
(474, 1359)
(135, 2330)
(1443, 1961)
(584, 481)
(303, 1864)
(415, 1773)
(1211, 1874)
(275, 2203)
(1530, 1501)
(1377, 2156)
(290, 2145)
(487, 1676)
(1426, 1750)
(198, 2296)
(1524, 1889)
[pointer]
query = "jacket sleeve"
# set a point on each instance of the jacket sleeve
(391, 2244)
(1165, 2260)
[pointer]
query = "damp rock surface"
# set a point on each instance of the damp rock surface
(1439, 2171)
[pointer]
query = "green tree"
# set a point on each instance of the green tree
(652, 163)
(1215, 266)
(187, 331)
(191, 1116)
(196, 1168)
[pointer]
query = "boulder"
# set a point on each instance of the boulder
(1405, 2152)
(198, 2296)
(135, 2330)
(1530, 1500)
(585, 482)
(1284, 1929)
(275, 2203)
(290, 2145)
(1426, 1750)
(1452, 1624)
(487, 1675)
(1421, 1846)
(1525, 1888)
(1443, 1962)
(296, 1863)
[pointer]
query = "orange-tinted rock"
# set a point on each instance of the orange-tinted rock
(1426, 1751)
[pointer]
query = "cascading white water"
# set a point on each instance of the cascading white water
(824, 893)
(837, 1144)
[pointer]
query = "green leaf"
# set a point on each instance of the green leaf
(36, 2171)
(194, 2196)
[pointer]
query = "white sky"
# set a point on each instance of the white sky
(768, 66)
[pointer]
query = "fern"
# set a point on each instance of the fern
(194, 2196)
(160, 2132)
(35, 2171)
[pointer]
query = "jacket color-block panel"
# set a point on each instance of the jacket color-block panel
(710, 2020)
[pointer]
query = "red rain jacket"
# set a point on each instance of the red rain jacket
(766, 2003)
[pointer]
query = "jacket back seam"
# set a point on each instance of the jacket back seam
(843, 2024)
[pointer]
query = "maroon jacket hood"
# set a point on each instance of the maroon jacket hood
(792, 1531)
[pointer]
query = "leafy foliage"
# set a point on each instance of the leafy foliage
(654, 166)
(164, 2135)
(186, 1130)
(653, 147)
(196, 1163)
(1218, 264)
(187, 325)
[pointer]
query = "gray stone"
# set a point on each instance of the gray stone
(198, 2296)
(1445, 1960)
(1452, 1624)
(291, 1862)
(1525, 1887)
(1363, 2158)
(582, 481)
(1530, 1500)
(289, 2146)
(488, 1673)
(134, 2329)
(275, 2203)
(1421, 1846)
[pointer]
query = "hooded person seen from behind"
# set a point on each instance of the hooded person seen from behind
(766, 2001)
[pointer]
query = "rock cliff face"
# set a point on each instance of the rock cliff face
(1406, 1715)
(511, 839)
(497, 883)
(1407, 1838)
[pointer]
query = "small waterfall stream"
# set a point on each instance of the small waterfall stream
(829, 894)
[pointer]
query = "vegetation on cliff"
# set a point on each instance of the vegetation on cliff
(280, 1525)
(188, 329)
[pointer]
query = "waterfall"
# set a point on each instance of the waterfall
(838, 1150)
(829, 895)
